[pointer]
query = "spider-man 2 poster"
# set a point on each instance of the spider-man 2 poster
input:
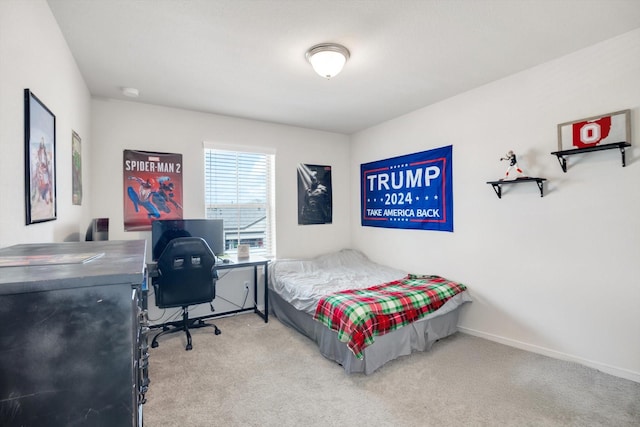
(152, 188)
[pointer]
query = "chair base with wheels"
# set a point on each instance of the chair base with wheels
(184, 325)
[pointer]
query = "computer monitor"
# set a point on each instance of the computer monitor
(163, 231)
(98, 230)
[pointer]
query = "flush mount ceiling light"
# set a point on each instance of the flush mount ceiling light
(327, 59)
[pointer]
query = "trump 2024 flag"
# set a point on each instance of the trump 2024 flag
(413, 191)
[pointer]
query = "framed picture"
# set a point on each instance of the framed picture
(610, 128)
(40, 160)
(314, 194)
(76, 169)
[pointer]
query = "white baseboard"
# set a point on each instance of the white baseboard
(612, 370)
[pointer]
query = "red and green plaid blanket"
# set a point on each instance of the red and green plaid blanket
(360, 314)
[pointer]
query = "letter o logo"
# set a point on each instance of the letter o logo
(590, 133)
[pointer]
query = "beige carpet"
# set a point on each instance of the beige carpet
(257, 374)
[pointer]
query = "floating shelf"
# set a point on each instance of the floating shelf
(563, 161)
(497, 185)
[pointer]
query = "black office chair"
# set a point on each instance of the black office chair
(186, 276)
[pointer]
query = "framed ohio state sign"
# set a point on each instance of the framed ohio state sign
(591, 132)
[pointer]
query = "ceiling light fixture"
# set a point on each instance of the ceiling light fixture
(327, 59)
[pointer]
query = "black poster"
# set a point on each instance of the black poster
(314, 194)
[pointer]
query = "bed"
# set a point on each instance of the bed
(301, 291)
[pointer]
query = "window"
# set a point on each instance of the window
(238, 189)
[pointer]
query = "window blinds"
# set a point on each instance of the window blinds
(238, 189)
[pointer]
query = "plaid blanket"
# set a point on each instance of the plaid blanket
(360, 314)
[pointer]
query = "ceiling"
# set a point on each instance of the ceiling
(246, 58)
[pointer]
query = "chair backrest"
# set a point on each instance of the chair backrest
(186, 273)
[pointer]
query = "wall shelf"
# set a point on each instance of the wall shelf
(497, 185)
(563, 161)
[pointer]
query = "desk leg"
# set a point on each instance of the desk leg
(264, 315)
(255, 291)
(266, 294)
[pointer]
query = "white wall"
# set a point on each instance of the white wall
(120, 125)
(34, 55)
(557, 275)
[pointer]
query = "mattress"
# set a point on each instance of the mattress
(303, 282)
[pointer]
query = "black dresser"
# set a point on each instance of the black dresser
(73, 345)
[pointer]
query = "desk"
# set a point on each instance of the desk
(255, 262)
